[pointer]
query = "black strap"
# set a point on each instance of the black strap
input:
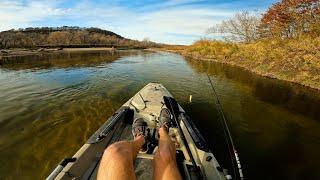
(173, 106)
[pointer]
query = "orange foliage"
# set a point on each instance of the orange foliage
(291, 18)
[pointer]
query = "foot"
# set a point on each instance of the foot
(165, 119)
(139, 127)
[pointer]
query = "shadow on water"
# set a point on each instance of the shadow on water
(62, 60)
(274, 123)
(293, 97)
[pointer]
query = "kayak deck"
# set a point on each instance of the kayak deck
(146, 104)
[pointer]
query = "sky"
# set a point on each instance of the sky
(163, 21)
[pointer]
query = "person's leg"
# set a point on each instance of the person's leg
(118, 158)
(165, 165)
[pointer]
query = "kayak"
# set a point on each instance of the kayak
(194, 158)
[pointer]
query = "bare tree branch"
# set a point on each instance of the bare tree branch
(242, 27)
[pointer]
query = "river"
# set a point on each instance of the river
(51, 104)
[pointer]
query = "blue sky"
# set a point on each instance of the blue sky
(165, 21)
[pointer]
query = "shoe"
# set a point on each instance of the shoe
(139, 127)
(165, 118)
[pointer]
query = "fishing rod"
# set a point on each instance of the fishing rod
(227, 133)
(172, 105)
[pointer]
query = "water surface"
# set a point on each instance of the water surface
(50, 105)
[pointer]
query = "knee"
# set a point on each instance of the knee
(118, 149)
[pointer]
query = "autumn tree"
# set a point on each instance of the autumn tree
(60, 37)
(290, 18)
(80, 37)
(146, 41)
(243, 27)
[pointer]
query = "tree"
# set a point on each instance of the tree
(80, 37)
(66, 35)
(243, 27)
(60, 37)
(146, 41)
(290, 18)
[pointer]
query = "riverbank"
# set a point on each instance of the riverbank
(27, 52)
(294, 60)
(88, 49)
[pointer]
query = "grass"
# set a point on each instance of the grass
(170, 48)
(295, 60)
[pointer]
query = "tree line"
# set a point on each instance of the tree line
(285, 19)
(67, 35)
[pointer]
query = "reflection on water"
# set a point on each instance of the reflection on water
(50, 105)
(275, 123)
(61, 60)
(293, 97)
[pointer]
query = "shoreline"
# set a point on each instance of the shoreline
(230, 63)
(88, 49)
(26, 52)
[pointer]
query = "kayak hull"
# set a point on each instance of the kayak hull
(146, 104)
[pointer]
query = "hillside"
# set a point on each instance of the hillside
(295, 60)
(284, 43)
(65, 36)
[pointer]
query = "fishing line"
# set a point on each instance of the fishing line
(227, 133)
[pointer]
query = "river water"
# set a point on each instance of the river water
(51, 104)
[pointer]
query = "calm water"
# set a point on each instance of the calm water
(50, 105)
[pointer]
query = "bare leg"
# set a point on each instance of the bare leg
(165, 165)
(118, 158)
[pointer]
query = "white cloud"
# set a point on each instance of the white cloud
(188, 22)
(15, 14)
(178, 23)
